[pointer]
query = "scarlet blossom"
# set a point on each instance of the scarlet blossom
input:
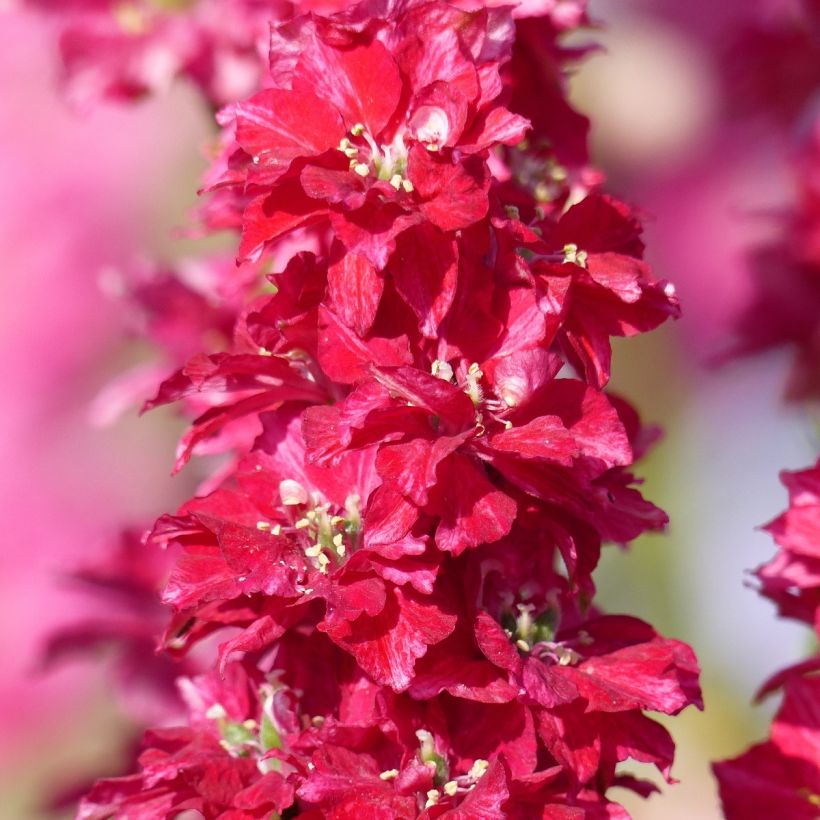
(784, 771)
(792, 578)
(374, 129)
(782, 775)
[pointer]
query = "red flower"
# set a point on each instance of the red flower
(374, 130)
(792, 578)
(781, 776)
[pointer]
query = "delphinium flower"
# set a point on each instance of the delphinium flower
(397, 563)
(782, 775)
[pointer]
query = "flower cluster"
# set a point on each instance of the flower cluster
(782, 775)
(393, 565)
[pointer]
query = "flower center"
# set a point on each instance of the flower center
(369, 159)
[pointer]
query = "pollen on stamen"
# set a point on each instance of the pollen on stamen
(361, 169)
(389, 774)
(408, 186)
(348, 149)
(395, 181)
(264, 526)
(478, 769)
(450, 788)
(357, 130)
(442, 370)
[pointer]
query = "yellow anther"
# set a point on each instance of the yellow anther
(361, 169)
(522, 645)
(431, 147)
(574, 256)
(338, 540)
(408, 186)
(264, 526)
(395, 181)
(389, 774)
(276, 529)
(323, 561)
(314, 552)
(358, 129)
(478, 769)
(302, 523)
(450, 788)
(264, 352)
(559, 173)
(433, 797)
(541, 192)
(442, 370)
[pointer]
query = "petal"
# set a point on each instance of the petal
(424, 268)
(277, 126)
(362, 83)
(354, 291)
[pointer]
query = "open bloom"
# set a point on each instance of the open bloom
(373, 129)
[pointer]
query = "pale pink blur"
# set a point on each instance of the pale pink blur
(81, 194)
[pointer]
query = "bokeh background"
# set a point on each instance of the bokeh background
(85, 194)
